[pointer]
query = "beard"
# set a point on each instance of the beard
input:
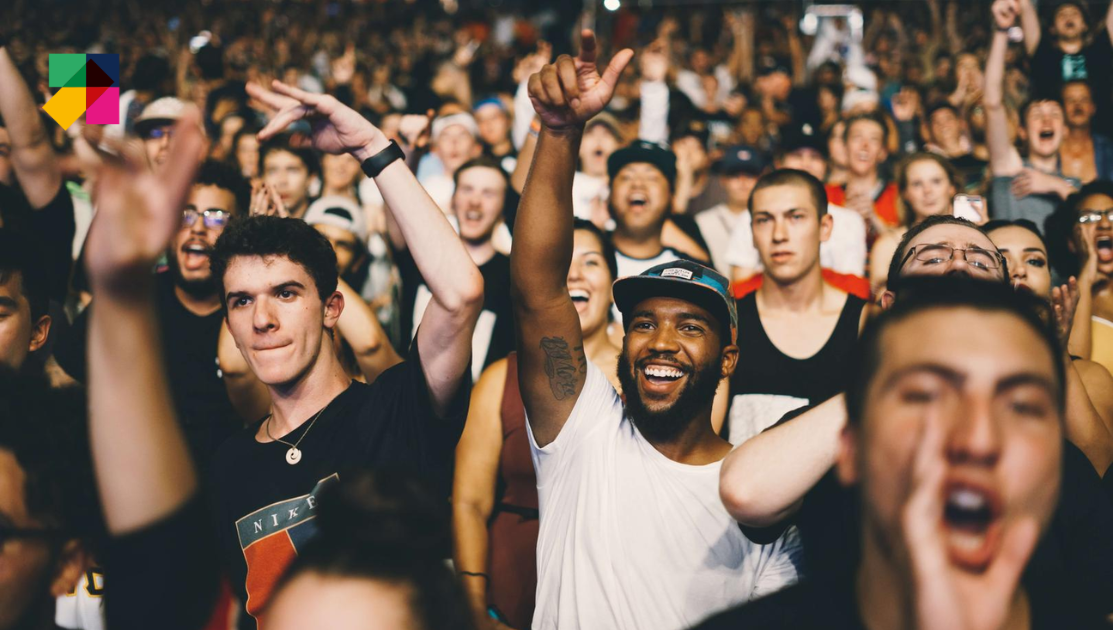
(198, 288)
(664, 425)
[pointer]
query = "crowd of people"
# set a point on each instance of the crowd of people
(727, 316)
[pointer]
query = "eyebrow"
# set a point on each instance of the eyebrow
(957, 378)
(274, 289)
(8, 302)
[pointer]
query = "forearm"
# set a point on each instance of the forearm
(1080, 342)
(543, 228)
(362, 331)
(469, 530)
(995, 70)
(763, 480)
(1085, 428)
(1030, 24)
(448, 271)
(35, 163)
(1001, 159)
(143, 468)
(248, 395)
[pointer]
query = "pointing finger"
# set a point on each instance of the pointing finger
(587, 46)
(615, 68)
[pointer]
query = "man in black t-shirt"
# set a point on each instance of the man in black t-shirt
(189, 314)
(278, 282)
(954, 443)
(479, 201)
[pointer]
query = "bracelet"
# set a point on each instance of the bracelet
(535, 128)
(375, 164)
(473, 574)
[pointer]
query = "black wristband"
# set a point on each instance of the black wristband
(375, 164)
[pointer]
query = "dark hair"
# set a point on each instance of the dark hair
(226, 177)
(1059, 227)
(792, 177)
(1058, 100)
(388, 526)
(924, 294)
(210, 62)
(894, 281)
(21, 253)
(275, 236)
(608, 247)
(282, 142)
(1025, 224)
(45, 428)
(875, 117)
(151, 72)
(940, 105)
(1082, 82)
(923, 156)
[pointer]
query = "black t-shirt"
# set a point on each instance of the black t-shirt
(494, 332)
(265, 508)
(832, 605)
(1072, 564)
(189, 346)
(1051, 68)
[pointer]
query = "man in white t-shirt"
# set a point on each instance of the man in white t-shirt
(739, 170)
(802, 148)
(632, 534)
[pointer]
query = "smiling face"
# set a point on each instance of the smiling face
(946, 128)
(289, 176)
(865, 147)
(193, 245)
(787, 232)
(1044, 127)
(1102, 242)
(477, 202)
(589, 282)
(276, 317)
(987, 379)
(929, 190)
(1027, 257)
(640, 197)
(597, 146)
(672, 360)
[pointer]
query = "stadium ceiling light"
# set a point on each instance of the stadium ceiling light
(611, 5)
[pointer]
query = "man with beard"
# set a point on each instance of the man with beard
(1021, 189)
(632, 532)
(1085, 154)
(189, 314)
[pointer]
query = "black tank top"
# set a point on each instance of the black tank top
(768, 383)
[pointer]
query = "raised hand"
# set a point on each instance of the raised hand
(569, 92)
(138, 212)
(265, 201)
(1088, 255)
(1064, 302)
(336, 128)
(1005, 13)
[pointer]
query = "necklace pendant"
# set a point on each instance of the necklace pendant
(293, 456)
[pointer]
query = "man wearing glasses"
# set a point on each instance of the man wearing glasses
(189, 313)
(155, 126)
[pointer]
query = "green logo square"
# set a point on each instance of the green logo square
(64, 67)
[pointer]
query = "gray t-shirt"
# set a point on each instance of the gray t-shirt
(1035, 208)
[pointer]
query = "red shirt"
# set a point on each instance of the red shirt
(885, 206)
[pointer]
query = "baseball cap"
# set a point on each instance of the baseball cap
(769, 64)
(684, 280)
(802, 136)
(340, 212)
(164, 111)
(609, 122)
(658, 155)
(490, 100)
(463, 119)
(741, 159)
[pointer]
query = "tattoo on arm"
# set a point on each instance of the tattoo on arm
(560, 367)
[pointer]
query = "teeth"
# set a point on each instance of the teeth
(966, 541)
(967, 499)
(578, 294)
(660, 371)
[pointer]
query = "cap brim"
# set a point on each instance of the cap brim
(633, 290)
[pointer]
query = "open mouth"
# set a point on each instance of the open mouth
(660, 378)
(195, 255)
(580, 298)
(1104, 246)
(971, 520)
(638, 200)
(1047, 134)
(1020, 286)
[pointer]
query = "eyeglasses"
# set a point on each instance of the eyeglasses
(7, 533)
(1094, 216)
(157, 133)
(929, 255)
(211, 218)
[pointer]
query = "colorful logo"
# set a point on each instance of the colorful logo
(88, 84)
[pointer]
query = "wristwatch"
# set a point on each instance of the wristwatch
(375, 164)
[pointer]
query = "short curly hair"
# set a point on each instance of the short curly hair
(225, 177)
(269, 236)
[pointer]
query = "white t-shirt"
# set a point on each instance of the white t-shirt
(631, 540)
(716, 224)
(586, 191)
(844, 252)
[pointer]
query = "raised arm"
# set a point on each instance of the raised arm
(35, 163)
(1030, 24)
(1004, 160)
(551, 361)
(361, 329)
(142, 465)
(444, 338)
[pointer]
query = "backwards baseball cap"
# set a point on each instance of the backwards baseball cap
(340, 212)
(741, 159)
(655, 154)
(164, 111)
(684, 280)
(463, 119)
